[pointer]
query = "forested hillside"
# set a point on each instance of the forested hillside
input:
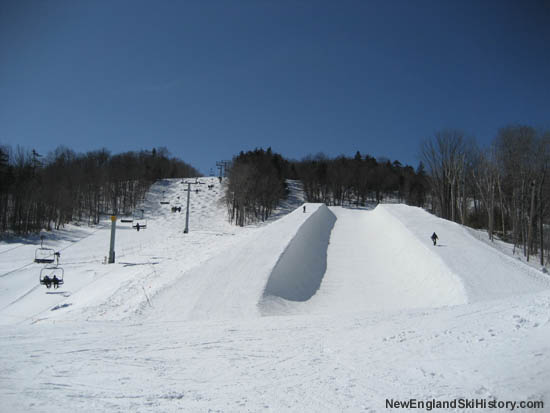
(354, 181)
(44, 192)
(255, 186)
(504, 188)
(257, 182)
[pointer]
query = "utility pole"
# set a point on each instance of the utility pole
(112, 248)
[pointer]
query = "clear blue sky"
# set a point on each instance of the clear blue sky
(210, 78)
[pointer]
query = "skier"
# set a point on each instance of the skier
(47, 281)
(137, 226)
(55, 281)
(304, 208)
(434, 238)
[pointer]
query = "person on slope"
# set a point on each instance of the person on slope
(434, 238)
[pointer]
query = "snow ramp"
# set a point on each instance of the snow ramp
(375, 263)
(384, 259)
(286, 259)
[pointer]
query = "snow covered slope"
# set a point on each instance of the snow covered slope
(330, 310)
(230, 285)
(146, 261)
(324, 261)
(384, 259)
(375, 263)
(486, 273)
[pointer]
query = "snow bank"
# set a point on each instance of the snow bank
(300, 269)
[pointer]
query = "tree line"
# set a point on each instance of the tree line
(503, 188)
(255, 186)
(47, 191)
(257, 178)
(360, 179)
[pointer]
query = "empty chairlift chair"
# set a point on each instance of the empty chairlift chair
(139, 221)
(44, 255)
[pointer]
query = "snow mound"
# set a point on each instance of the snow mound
(298, 274)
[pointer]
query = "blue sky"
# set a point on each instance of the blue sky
(207, 79)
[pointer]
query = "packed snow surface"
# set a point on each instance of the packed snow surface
(331, 309)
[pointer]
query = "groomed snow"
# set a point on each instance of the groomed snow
(300, 269)
(334, 309)
(230, 285)
(486, 273)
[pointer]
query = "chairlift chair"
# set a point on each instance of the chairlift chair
(140, 224)
(139, 220)
(127, 220)
(47, 274)
(44, 255)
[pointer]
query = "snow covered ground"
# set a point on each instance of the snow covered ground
(333, 309)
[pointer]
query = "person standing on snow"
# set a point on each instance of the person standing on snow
(434, 238)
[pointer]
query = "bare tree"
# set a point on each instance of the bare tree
(445, 156)
(485, 175)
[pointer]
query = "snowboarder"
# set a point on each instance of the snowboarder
(55, 281)
(434, 238)
(304, 208)
(137, 226)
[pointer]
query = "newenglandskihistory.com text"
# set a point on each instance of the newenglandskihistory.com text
(464, 404)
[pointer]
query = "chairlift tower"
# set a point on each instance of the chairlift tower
(112, 246)
(189, 183)
(222, 167)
